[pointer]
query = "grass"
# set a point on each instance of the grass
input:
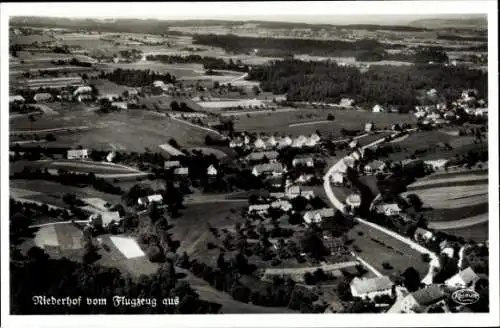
(478, 232)
(452, 214)
(401, 256)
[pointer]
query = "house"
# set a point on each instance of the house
(108, 96)
(464, 279)
(375, 166)
(285, 142)
(77, 154)
(84, 97)
(259, 144)
(269, 168)
(44, 96)
(411, 163)
(423, 234)
(378, 109)
(16, 99)
(433, 116)
(449, 115)
(353, 200)
(299, 141)
(371, 287)
(317, 216)
(271, 142)
(119, 104)
(82, 89)
(419, 300)
(156, 198)
(436, 164)
(481, 112)
(315, 138)
(260, 155)
(353, 144)
(132, 92)
(420, 114)
(211, 171)
(276, 195)
(432, 93)
(356, 155)
(307, 194)
(292, 191)
(347, 161)
(181, 171)
(235, 143)
(282, 204)
(346, 102)
(468, 94)
(338, 178)
(103, 219)
(111, 156)
(304, 178)
(303, 161)
(389, 209)
(258, 208)
(311, 142)
(448, 251)
(171, 164)
(369, 127)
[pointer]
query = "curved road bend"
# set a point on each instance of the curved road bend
(341, 207)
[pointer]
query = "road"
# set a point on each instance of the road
(341, 207)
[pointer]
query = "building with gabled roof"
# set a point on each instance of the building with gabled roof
(371, 287)
(316, 216)
(463, 279)
(268, 168)
(419, 300)
(260, 155)
(77, 154)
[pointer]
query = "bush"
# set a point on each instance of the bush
(387, 266)
(155, 254)
(426, 258)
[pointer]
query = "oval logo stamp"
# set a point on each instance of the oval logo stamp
(465, 296)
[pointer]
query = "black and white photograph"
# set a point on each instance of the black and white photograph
(249, 160)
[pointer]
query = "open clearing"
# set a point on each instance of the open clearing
(396, 253)
(63, 236)
(127, 246)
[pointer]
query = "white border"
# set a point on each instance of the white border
(272, 10)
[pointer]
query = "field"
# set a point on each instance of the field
(130, 130)
(179, 70)
(399, 255)
(58, 239)
(478, 232)
(210, 151)
(344, 119)
(127, 246)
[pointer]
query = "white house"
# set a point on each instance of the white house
(77, 154)
(369, 127)
(292, 191)
(282, 204)
(307, 194)
(317, 216)
(304, 161)
(378, 109)
(259, 144)
(285, 142)
(375, 166)
(436, 164)
(271, 141)
(44, 96)
(303, 178)
(433, 116)
(481, 112)
(119, 104)
(337, 178)
(111, 156)
(156, 198)
(299, 141)
(423, 234)
(16, 98)
(258, 208)
(315, 138)
(448, 251)
(464, 279)
(389, 209)
(432, 93)
(420, 114)
(108, 96)
(353, 144)
(81, 90)
(269, 168)
(171, 164)
(353, 200)
(346, 102)
(371, 287)
(211, 171)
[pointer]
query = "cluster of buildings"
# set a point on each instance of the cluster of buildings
(272, 142)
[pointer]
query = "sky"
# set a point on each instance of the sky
(319, 12)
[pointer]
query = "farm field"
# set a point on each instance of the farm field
(478, 232)
(179, 70)
(453, 197)
(400, 257)
(131, 131)
(344, 119)
(58, 239)
(127, 246)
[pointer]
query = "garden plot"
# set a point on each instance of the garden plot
(127, 246)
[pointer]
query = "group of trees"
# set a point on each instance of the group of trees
(137, 78)
(384, 85)
(209, 63)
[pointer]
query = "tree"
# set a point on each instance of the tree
(411, 279)
(174, 106)
(415, 202)
(172, 142)
(241, 293)
(330, 117)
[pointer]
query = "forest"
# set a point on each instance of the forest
(136, 78)
(384, 85)
(209, 63)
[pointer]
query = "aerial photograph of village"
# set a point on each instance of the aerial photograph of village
(243, 167)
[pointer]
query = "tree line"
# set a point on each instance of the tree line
(137, 78)
(384, 85)
(209, 63)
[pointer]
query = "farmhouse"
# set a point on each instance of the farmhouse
(77, 154)
(346, 102)
(464, 279)
(81, 90)
(371, 287)
(211, 171)
(171, 164)
(421, 299)
(422, 234)
(303, 161)
(378, 109)
(389, 209)
(119, 104)
(16, 99)
(353, 200)
(376, 166)
(181, 171)
(258, 208)
(270, 168)
(44, 96)
(259, 156)
(157, 198)
(317, 216)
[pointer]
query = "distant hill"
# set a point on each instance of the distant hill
(479, 23)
